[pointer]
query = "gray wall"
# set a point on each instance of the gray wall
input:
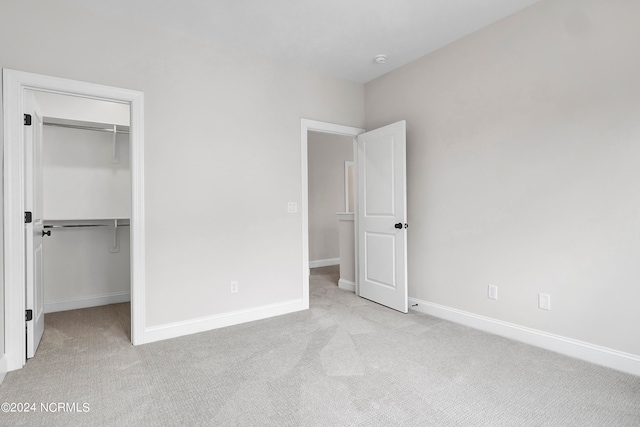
(222, 149)
(524, 169)
(327, 154)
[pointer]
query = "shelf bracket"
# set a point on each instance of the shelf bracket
(116, 242)
(115, 159)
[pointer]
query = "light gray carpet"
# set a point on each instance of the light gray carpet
(346, 361)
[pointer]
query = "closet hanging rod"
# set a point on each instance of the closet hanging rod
(63, 125)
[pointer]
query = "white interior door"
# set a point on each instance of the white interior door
(34, 291)
(382, 216)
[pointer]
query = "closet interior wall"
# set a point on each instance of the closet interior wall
(86, 191)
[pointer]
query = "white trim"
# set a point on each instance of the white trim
(86, 302)
(15, 83)
(356, 221)
(307, 125)
(599, 355)
(347, 285)
(324, 262)
(203, 324)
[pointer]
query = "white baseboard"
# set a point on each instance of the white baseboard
(86, 302)
(324, 262)
(347, 285)
(188, 327)
(599, 355)
(3, 367)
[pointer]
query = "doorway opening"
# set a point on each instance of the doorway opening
(16, 86)
(85, 206)
(331, 208)
(380, 204)
(322, 129)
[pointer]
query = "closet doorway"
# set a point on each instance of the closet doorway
(86, 203)
(17, 87)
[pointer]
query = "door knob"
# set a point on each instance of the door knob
(46, 233)
(398, 226)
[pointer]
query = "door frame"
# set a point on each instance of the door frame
(15, 83)
(307, 125)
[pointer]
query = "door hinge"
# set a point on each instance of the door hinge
(27, 119)
(28, 218)
(28, 315)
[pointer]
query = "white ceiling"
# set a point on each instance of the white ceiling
(337, 37)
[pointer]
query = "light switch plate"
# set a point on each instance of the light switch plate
(292, 207)
(544, 301)
(492, 292)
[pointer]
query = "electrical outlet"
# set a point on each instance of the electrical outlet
(544, 301)
(292, 207)
(234, 287)
(492, 292)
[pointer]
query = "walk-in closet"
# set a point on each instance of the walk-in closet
(86, 196)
